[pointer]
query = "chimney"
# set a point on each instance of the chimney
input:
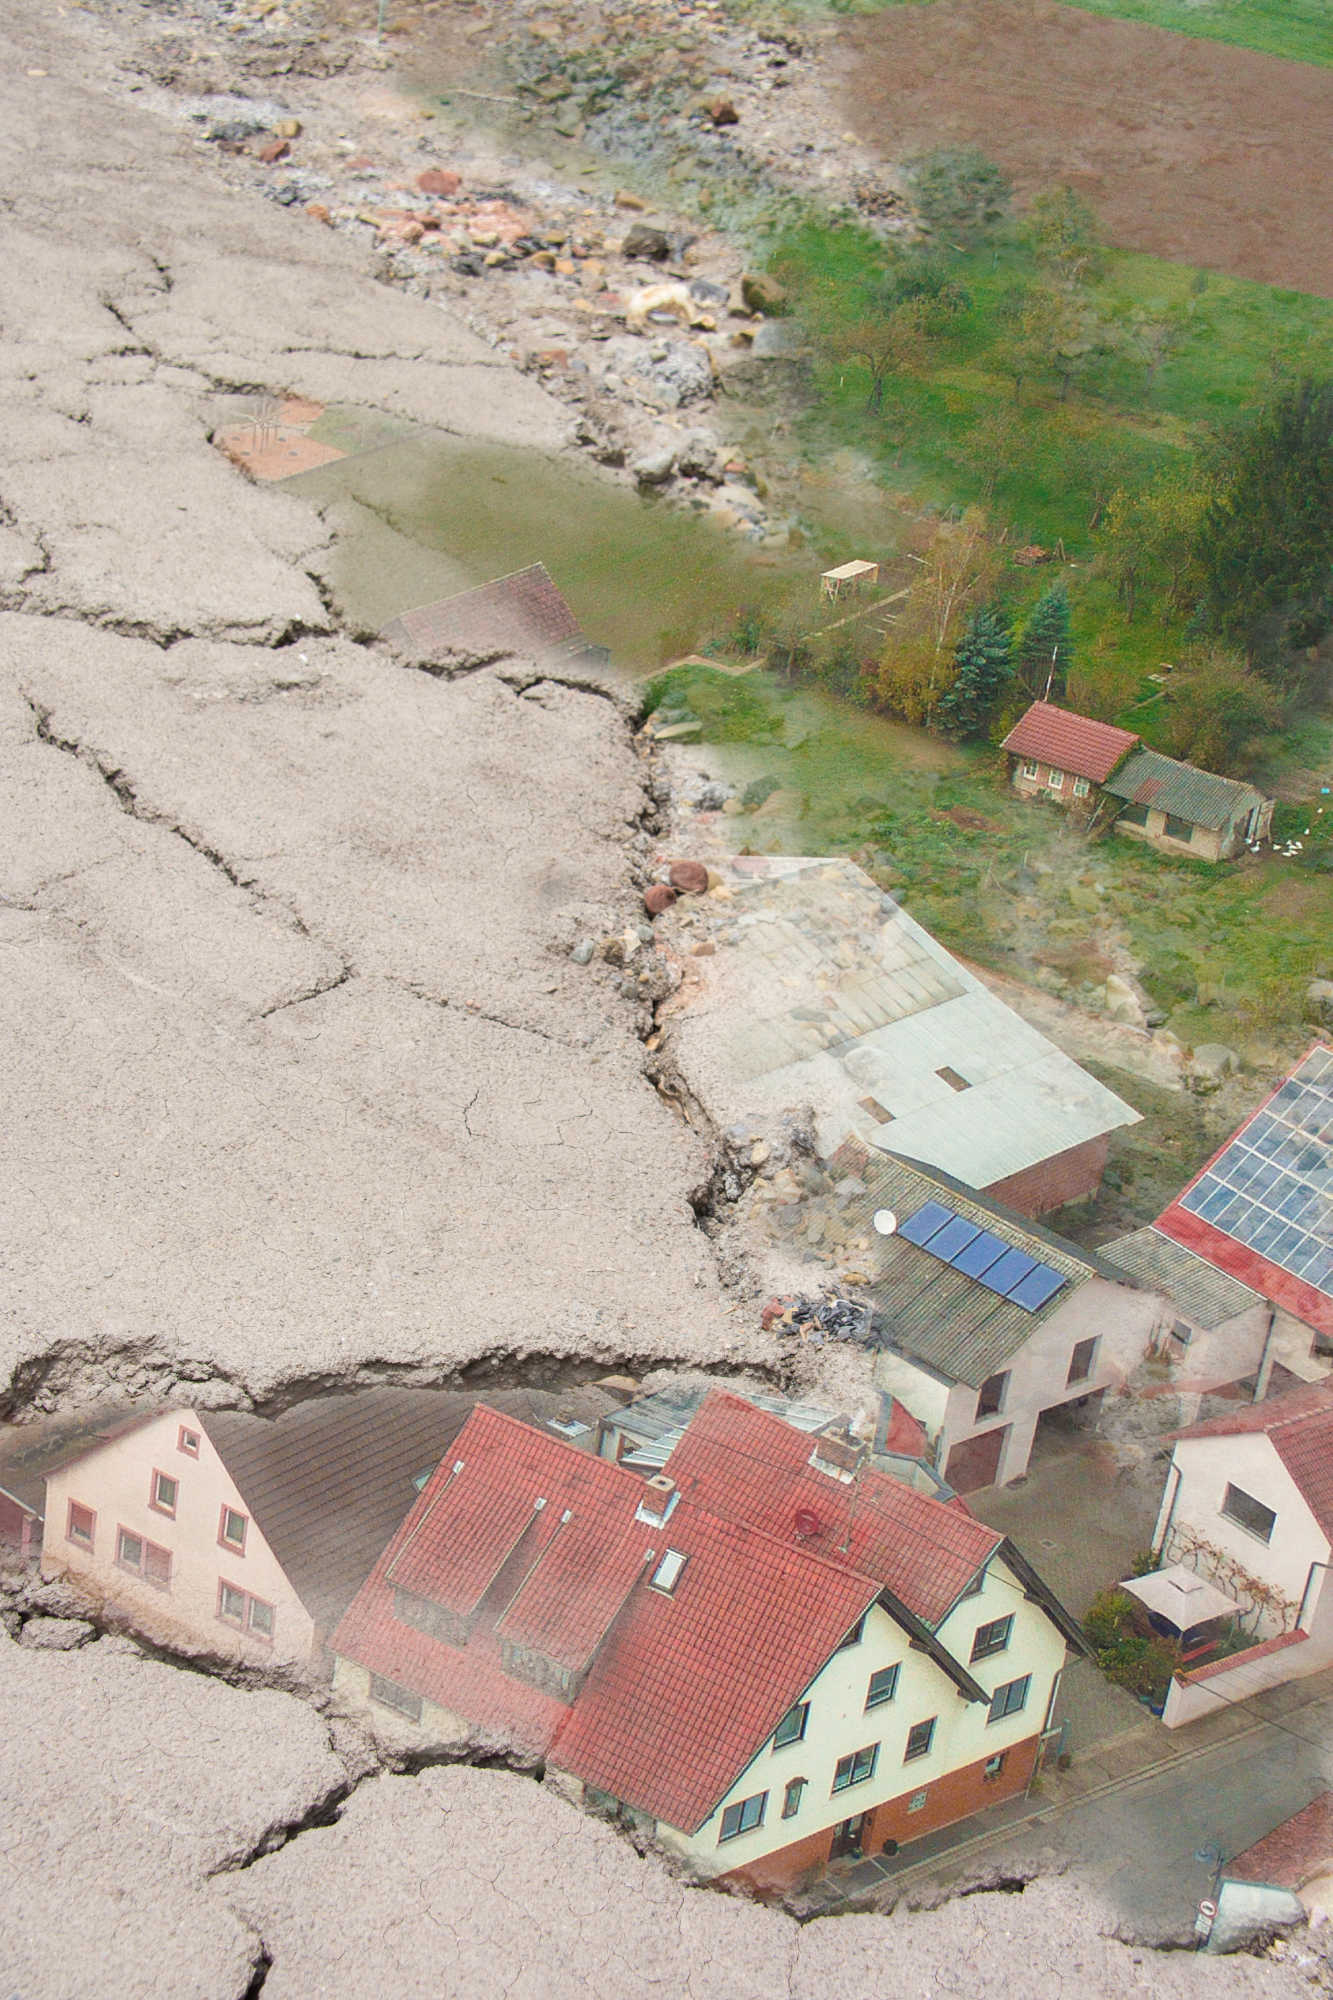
(658, 1502)
(839, 1456)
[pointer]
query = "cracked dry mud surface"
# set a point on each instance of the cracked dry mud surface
(300, 1087)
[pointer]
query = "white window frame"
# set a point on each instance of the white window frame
(1030, 768)
(1081, 788)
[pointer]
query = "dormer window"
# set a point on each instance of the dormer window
(668, 1572)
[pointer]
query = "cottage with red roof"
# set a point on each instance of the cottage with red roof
(767, 1656)
(1095, 767)
(1248, 1505)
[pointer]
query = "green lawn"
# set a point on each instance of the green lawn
(1226, 951)
(1300, 30)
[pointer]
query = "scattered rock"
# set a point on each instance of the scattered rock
(624, 199)
(272, 151)
(662, 304)
(1318, 1009)
(655, 467)
(722, 111)
(56, 1635)
(1122, 1002)
(288, 128)
(1209, 1066)
(690, 877)
(643, 240)
(658, 899)
(439, 180)
(712, 798)
(583, 951)
(763, 294)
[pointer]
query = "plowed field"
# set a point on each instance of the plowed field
(1189, 149)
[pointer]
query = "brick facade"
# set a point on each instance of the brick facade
(952, 1797)
(1069, 1176)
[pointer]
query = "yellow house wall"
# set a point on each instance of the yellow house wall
(115, 1480)
(839, 1723)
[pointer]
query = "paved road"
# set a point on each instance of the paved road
(1135, 1841)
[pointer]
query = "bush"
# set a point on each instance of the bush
(959, 192)
(1141, 1663)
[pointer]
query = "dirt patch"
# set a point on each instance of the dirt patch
(275, 444)
(1190, 149)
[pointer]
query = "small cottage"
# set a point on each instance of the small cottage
(1186, 811)
(1100, 771)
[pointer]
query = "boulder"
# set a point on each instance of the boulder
(763, 294)
(689, 877)
(1318, 1008)
(658, 303)
(1209, 1066)
(643, 240)
(655, 466)
(1122, 1002)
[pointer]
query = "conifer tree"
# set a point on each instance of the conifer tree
(1044, 651)
(985, 663)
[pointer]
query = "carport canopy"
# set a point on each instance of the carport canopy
(1182, 1598)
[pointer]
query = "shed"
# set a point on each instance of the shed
(848, 576)
(1178, 807)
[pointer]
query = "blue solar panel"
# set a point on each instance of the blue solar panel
(1033, 1291)
(980, 1254)
(932, 1216)
(1009, 1271)
(954, 1236)
(1268, 1189)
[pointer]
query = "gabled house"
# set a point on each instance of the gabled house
(985, 1322)
(1100, 770)
(244, 1535)
(766, 1656)
(1248, 1506)
(822, 991)
(1058, 755)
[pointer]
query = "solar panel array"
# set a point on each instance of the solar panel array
(1271, 1189)
(979, 1254)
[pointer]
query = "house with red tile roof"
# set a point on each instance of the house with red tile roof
(767, 1655)
(1094, 768)
(1248, 1505)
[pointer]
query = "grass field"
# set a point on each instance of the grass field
(1225, 951)
(1299, 30)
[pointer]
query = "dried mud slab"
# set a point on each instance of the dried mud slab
(1190, 149)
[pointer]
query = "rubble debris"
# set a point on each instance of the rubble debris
(829, 1317)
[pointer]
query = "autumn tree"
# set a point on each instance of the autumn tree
(1064, 235)
(1151, 540)
(887, 323)
(957, 572)
(1219, 712)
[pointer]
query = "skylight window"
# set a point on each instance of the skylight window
(668, 1572)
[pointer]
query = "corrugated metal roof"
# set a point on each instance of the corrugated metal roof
(935, 1313)
(1070, 742)
(1148, 779)
(824, 991)
(1204, 1294)
(668, 1411)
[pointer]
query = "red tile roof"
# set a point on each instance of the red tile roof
(1287, 1857)
(1069, 742)
(666, 1696)
(1300, 1426)
(741, 1462)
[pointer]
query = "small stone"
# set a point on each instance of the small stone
(689, 877)
(732, 807)
(564, 267)
(317, 212)
(759, 1152)
(583, 951)
(704, 950)
(272, 151)
(654, 468)
(658, 899)
(288, 128)
(722, 111)
(645, 241)
(645, 936)
(439, 180)
(624, 199)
